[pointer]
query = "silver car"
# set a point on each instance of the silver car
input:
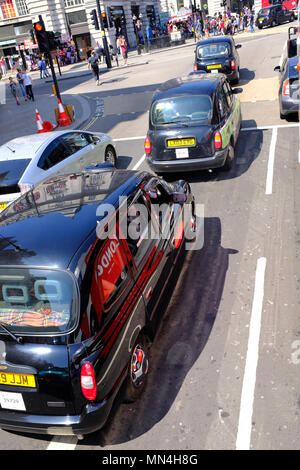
(27, 160)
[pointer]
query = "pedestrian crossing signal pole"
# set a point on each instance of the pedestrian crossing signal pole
(104, 38)
(44, 40)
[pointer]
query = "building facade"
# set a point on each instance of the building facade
(72, 17)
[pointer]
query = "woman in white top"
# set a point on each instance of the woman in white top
(28, 86)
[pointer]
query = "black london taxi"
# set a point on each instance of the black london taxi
(219, 55)
(79, 296)
(194, 123)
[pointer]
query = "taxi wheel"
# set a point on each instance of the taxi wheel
(137, 370)
(110, 156)
(230, 158)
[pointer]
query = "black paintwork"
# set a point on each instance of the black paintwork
(55, 225)
(225, 62)
(203, 155)
(273, 15)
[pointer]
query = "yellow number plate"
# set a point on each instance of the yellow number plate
(19, 380)
(217, 66)
(3, 205)
(181, 143)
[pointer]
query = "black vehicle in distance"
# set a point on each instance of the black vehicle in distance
(273, 16)
(219, 55)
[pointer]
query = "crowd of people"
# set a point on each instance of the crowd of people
(219, 24)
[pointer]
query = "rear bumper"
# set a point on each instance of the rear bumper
(289, 105)
(232, 75)
(90, 420)
(190, 164)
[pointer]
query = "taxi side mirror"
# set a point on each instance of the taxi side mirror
(179, 198)
(238, 46)
(277, 68)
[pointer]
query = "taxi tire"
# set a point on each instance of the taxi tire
(229, 159)
(132, 392)
(110, 155)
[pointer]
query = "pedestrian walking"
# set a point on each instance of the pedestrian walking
(13, 89)
(93, 62)
(124, 49)
(28, 86)
(245, 21)
(251, 22)
(206, 28)
(21, 83)
(3, 66)
(43, 68)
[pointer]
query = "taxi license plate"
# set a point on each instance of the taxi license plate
(18, 380)
(3, 206)
(190, 142)
(216, 66)
(261, 20)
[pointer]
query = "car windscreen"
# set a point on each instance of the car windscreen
(12, 170)
(37, 301)
(213, 51)
(187, 109)
(264, 12)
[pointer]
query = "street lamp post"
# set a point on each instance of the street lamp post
(104, 38)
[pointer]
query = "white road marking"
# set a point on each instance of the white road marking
(140, 137)
(266, 128)
(63, 443)
(136, 166)
(243, 441)
(269, 182)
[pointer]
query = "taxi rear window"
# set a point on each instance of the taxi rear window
(37, 301)
(264, 11)
(216, 51)
(182, 109)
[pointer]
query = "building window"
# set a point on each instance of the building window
(8, 9)
(72, 3)
(22, 7)
(75, 17)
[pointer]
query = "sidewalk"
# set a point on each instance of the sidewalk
(21, 120)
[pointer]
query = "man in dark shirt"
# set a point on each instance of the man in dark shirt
(93, 62)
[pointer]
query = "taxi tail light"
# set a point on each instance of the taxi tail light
(286, 88)
(88, 381)
(147, 146)
(179, 234)
(218, 140)
(233, 65)
(195, 68)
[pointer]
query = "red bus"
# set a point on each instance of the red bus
(289, 4)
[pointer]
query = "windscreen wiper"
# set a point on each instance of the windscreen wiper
(18, 339)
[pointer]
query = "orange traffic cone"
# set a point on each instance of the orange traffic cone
(39, 122)
(63, 120)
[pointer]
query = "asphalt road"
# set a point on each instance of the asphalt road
(225, 362)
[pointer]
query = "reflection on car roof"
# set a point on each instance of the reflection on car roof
(54, 219)
(192, 84)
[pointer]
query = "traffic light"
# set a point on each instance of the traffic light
(104, 20)
(53, 42)
(41, 36)
(94, 18)
(110, 17)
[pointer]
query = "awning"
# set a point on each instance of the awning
(181, 16)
